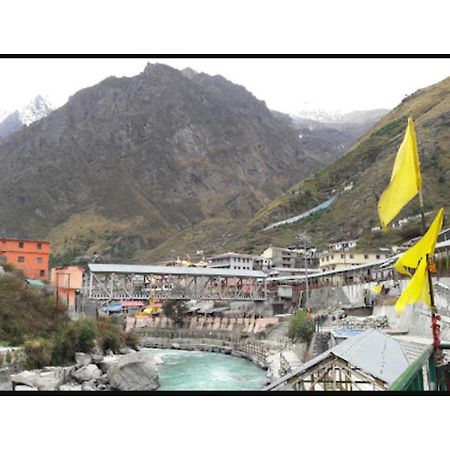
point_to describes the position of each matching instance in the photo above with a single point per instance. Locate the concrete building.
(343, 245)
(336, 260)
(238, 261)
(68, 281)
(288, 257)
(31, 257)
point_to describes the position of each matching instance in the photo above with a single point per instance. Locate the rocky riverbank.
(131, 371)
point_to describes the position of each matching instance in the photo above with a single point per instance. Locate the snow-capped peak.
(38, 108)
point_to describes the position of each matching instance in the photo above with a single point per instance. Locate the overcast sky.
(287, 85)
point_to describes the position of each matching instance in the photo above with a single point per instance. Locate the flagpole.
(435, 327)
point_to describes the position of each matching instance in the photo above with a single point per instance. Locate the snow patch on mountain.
(38, 108)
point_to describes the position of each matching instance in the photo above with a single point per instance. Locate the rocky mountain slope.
(10, 122)
(128, 163)
(358, 178)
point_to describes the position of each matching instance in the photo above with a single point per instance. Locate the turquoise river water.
(204, 371)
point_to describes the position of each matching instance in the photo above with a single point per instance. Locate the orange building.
(67, 281)
(31, 257)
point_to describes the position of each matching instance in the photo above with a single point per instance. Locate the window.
(21, 259)
(39, 246)
(20, 244)
(42, 273)
(38, 260)
(332, 256)
(351, 256)
(378, 256)
(342, 256)
(366, 256)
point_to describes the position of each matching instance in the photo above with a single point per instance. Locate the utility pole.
(304, 239)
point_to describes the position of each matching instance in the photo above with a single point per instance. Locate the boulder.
(126, 350)
(83, 358)
(44, 380)
(5, 380)
(97, 359)
(107, 362)
(87, 373)
(23, 387)
(134, 372)
(103, 379)
(70, 387)
(88, 386)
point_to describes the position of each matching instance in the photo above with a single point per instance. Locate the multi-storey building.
(31, 257)
(232, 261)
(335, 260)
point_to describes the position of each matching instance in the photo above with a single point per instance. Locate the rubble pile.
(369, 322)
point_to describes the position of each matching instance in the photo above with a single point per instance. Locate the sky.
(286, 85)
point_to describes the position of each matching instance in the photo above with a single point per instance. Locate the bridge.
(121, 282)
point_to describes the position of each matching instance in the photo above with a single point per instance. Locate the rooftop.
(174, 270)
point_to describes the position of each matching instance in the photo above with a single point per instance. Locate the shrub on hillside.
(132, 340)
(38, 353)
(301, 327)
(77, 336)
(26, 312)
(109, 334)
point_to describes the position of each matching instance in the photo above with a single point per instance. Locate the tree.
(301, 327)
(175, 309)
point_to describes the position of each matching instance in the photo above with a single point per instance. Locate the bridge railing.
(422, 374)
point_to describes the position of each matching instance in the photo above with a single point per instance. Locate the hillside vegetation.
(367, 166)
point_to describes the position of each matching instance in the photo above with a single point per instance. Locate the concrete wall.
(414, 320)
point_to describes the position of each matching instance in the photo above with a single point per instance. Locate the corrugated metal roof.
(373, 352)
(171, 270)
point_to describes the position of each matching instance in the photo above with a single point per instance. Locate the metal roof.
(172, 270)
(331, 272)
(373, 352)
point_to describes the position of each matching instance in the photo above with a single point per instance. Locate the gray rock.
(5, 380)
(87, 373)
(125, 350)
(134, 372)
(83, 358)
(68, 373)
(70, 387)
(88, 386)
(97, 358)
(108, 361)
(103, 379)
(23, 387)
(44, 380)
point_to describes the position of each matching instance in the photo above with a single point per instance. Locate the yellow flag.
(405, 181)
(411, 258)
(418, 289)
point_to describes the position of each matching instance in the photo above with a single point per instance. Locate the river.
(204, 371)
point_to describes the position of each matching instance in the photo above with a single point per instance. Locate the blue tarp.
(113, 308)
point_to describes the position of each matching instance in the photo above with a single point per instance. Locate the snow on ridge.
(38, 108)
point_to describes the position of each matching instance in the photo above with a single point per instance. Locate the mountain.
(358, 178)
(339, 117)
(333, 134)
(130, 162)
(11, 122)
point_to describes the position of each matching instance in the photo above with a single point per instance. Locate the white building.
(232, 260)
(335, 260)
